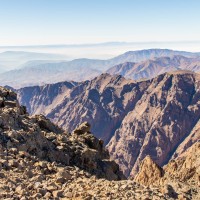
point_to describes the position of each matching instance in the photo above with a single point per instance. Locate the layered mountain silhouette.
(14, 59)
(157, 117)
(40, 72)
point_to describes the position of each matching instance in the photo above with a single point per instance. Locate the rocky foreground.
(38, 160)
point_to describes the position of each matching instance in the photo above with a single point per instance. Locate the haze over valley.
(133, 64)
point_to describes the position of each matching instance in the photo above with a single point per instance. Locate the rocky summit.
(36, 155)
(39, 160)
(37, 136)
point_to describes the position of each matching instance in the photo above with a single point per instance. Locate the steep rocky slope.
(161, 120)
(153, 67)
(186, 167)
(192, 138)
(40, 99)
(38, 160)
(159, 117)
(104, 103)
(40, 137)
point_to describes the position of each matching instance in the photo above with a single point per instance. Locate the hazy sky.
(24, 22)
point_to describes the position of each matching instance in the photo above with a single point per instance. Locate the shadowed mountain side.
(158, 116)
(41, 99)
(165, 116)
(56, 164)
(104, 100)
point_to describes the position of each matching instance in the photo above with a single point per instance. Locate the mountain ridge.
(135, 115)
(57, 164)
(79, 69)
(153, 67)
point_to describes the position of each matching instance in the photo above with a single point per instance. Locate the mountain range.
(157, 117)
(40, 160)
(153, 67)
(148, 105)
(145, 66)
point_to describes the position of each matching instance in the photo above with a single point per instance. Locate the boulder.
(83, 128)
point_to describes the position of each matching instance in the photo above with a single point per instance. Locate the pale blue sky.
(24, 22)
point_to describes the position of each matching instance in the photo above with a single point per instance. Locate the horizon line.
(95, 44)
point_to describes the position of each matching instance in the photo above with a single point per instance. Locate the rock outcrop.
(180, 178)
(186, 167)
(39, 137)
(149, 172)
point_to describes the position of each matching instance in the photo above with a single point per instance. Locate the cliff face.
(165, 116)
(192, 138)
